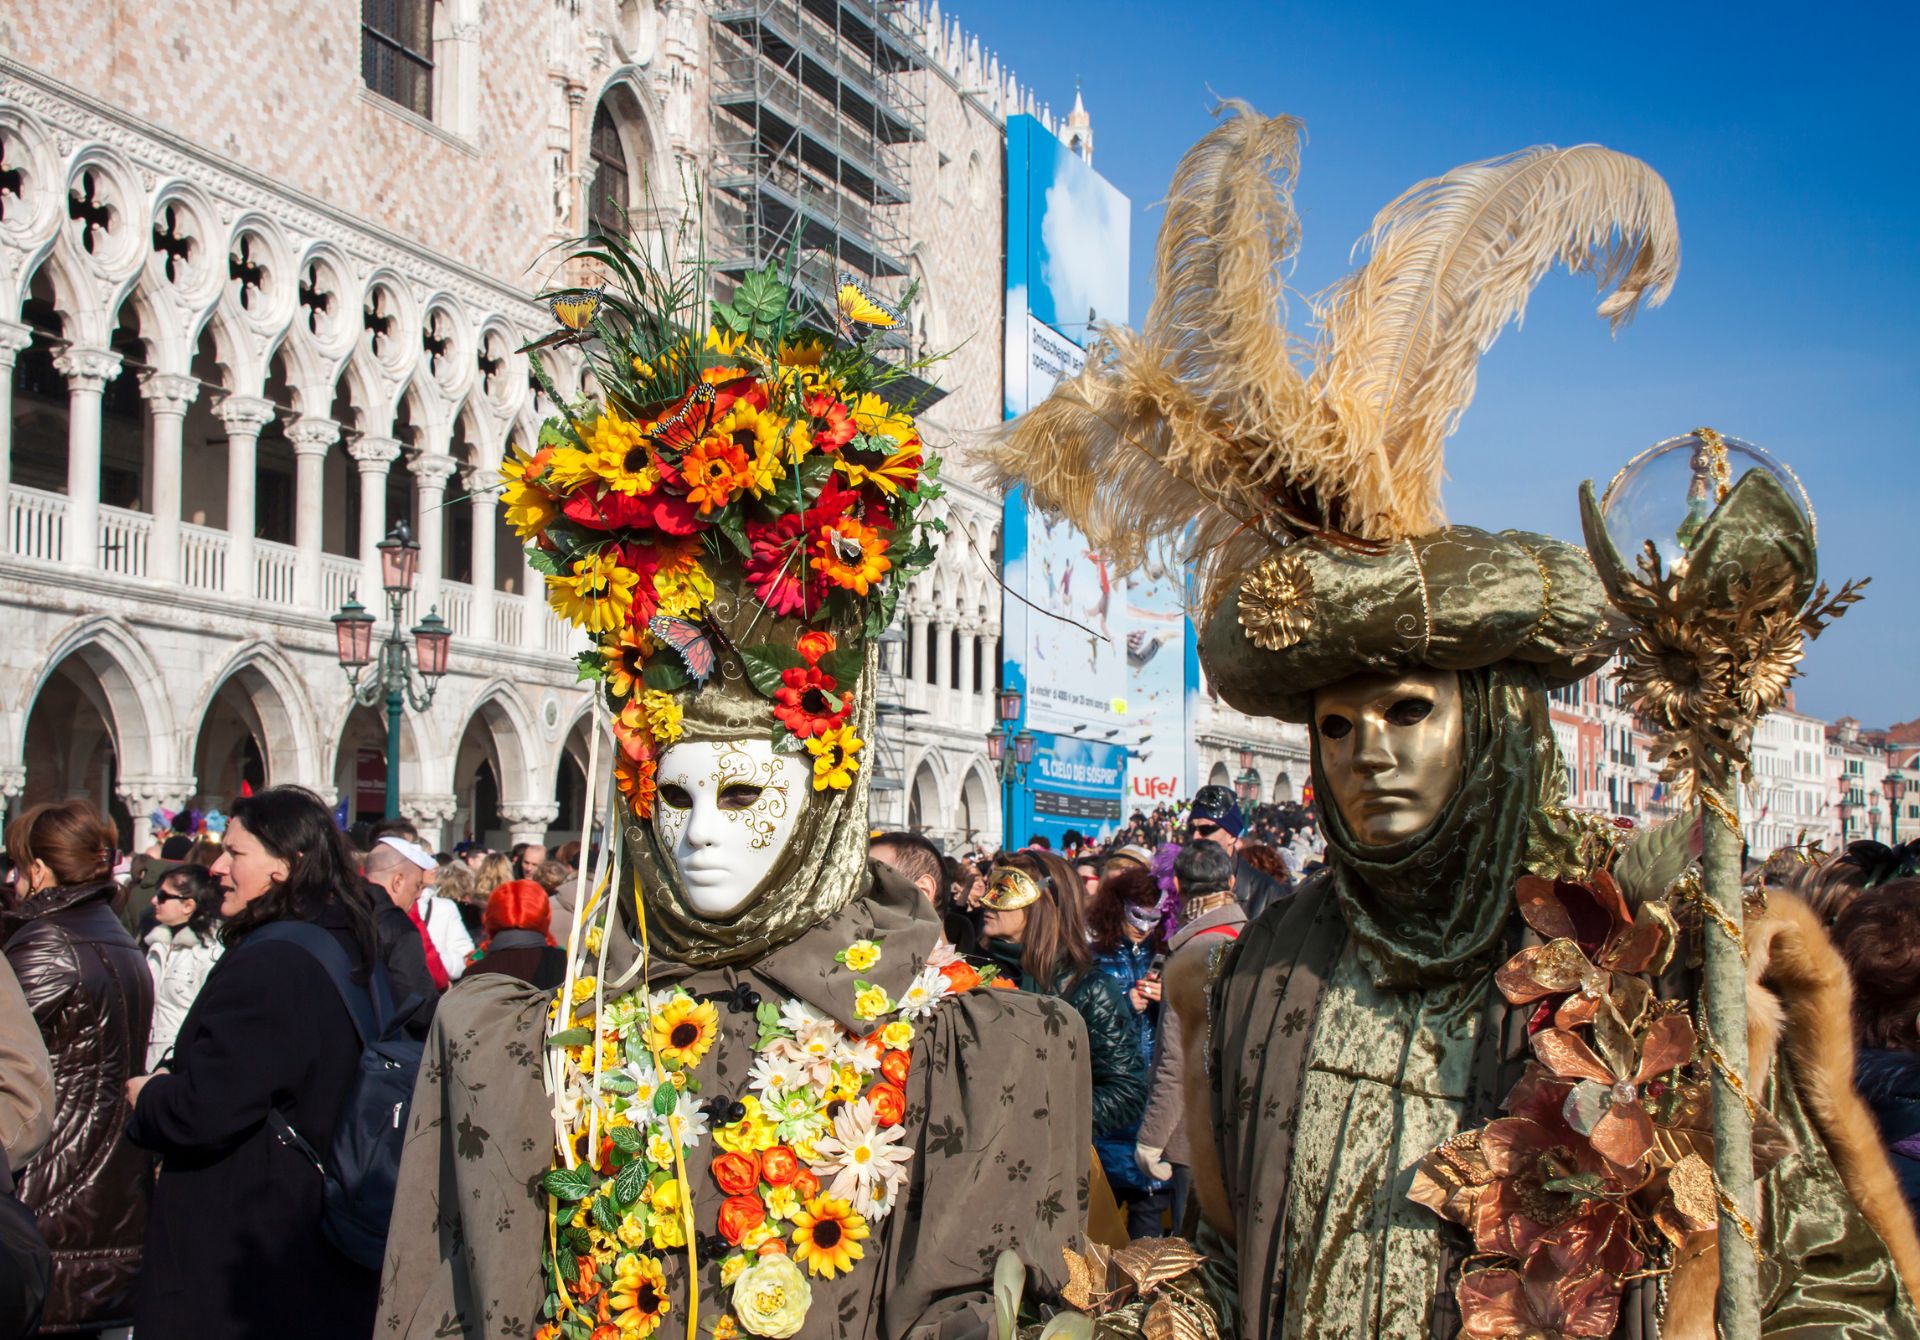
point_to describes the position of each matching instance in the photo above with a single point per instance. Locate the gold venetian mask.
(1390, 747)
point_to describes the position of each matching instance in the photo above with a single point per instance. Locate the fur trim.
(1799, 995)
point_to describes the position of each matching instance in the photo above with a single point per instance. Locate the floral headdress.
(731, 517)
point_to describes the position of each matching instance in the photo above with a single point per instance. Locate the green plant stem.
(1723, 994)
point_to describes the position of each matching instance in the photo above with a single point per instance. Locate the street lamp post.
(1011, 753)
(1247, 784)
(1894, 784)
(1846, 814)
(432, 641)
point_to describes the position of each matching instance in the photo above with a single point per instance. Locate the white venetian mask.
(725, 810)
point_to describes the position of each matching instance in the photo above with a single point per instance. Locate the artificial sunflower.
(900, 470)
(877, 418)
(807, 703)
(683, 1030)
(639, 1295)
(622, 455)
(624, 653)
(713, 470)
(596, 595)
(835, 758)
(530, 509)
(850, 554)
(827, 1235)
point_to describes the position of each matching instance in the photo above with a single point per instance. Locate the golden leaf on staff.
(1276, 603)
(1153, 1261)
(1167, 1320)
(1079, 1290)
(1691, 1185)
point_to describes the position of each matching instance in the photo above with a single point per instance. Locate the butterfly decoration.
(858, 307)
(691, 641)
(673, 430)
(846, 549)
(574, 309)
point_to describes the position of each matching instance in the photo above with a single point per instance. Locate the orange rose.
(551, 1331)
(805, 1184)
(960, 977)
(772, 1247)
(586, 1285)
(737, 1174)
(606, 1331)
(739, 1215)
(779, 1166)
(895, 1065)
(815, 643)
(889, 1104)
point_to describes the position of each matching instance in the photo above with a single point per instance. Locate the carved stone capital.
(87, 369)
(312, 437)
(375, 454)
(13, 781)
(481, 486)
(427, 809)
(528, 823)
(144, 794)
(433, 471)
(246, 415)
(14, 336)
(169, 392)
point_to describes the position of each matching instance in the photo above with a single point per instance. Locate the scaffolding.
(812, 104)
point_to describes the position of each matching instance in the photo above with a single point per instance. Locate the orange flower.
(587, 1286)
(960, 977)
(737, 1173)
(895, 1065)
(632, 730)
(772, 1247)
(635, 777)
(715, 470)
(851, 554)
(551, 1331)
(805, 1184)
(889, 1104)
(815, 643)
(606, 1331)
(739, 1215)
(779, 1166)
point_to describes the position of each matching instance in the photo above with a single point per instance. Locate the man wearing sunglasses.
(1215, 816)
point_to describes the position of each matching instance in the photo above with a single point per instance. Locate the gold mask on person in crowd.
(1390, 747)
(1010, 890)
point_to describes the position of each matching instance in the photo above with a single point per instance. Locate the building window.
(396, 51)
(607, 197)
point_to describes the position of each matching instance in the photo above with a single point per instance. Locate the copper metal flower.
(1540, 1302)
(1276, 602)
(1608, 1102)
(1594, 939)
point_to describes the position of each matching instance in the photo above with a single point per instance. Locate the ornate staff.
(1717, 608)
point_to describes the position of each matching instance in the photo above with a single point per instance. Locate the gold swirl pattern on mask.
(1276, 603)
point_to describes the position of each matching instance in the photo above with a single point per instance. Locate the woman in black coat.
(92, 996)
(234, 1244)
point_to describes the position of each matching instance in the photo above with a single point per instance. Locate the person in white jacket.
(181, 951)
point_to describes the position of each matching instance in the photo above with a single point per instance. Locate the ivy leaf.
(629, 1184)
(543, 561)
(592, 666)
(568, 1184)
(571, 1037)
(665, 676)
(733, 525)
(764, 664)
(761, 297)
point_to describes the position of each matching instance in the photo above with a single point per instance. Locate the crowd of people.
(160, 1058)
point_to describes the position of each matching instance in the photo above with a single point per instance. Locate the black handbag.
(26, 1267)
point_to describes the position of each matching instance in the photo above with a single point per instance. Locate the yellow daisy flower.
(827, 1236)
(835, 758)
(684, 1030)
(597, 595)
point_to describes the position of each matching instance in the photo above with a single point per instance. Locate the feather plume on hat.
(1202, 436)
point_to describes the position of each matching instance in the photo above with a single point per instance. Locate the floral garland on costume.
(1601, 1169)
(809, 1160)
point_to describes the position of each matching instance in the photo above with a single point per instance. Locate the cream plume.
(1202, 432)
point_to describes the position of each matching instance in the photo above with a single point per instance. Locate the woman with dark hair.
(90, 994)
(182, 948)
(1124, 923)
(234, 1245)
(1036, 931)
(518, 941)
(1879, 936)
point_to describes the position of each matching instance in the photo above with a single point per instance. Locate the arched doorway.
(923, 801)
(230, 752)
(360, 764)
(1283, 789)
(489, 752)
(72, 743)
(610, 191)
(1220, 776)
(976, 806)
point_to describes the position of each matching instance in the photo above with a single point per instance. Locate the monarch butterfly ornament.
(858, 307)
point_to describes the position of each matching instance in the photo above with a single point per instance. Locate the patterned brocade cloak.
(998, 1117)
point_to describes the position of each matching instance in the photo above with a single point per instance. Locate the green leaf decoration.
(767, 1014)
(761, 297)
(664, 675)
(764, 665)
(664, 1099)
(569, 1268)
(786, 742)
(628, 1185)
(627, 1138)
(844, 665)
(571, 1037)
(555, 433)
(604, 1214)
(592, 667)
(543, 562)
(733, 524)
(1653, 861)
(576, 1239)
(568, 1184)
(617, 1082)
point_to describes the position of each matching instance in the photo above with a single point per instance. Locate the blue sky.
(1788, 141)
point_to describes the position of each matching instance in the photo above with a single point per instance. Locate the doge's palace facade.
(263, 272)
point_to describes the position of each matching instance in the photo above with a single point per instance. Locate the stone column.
(939, 645)
(13, 783)
(143, 795)
(374, 456)
(967, 678)
(483, 507)
(15, 336)
(431, 471)
(87, 372)
(245, 416)
(168, 394)
(918, 631)
(312, 439)
(528, 823)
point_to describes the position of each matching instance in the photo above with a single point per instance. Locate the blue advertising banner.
(1063, 622)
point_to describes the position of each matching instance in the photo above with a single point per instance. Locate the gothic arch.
(978, 814)
(509, 725)
(355, 727)
(277, 702)
(927, 803)
(146, 740)
(654, 193)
